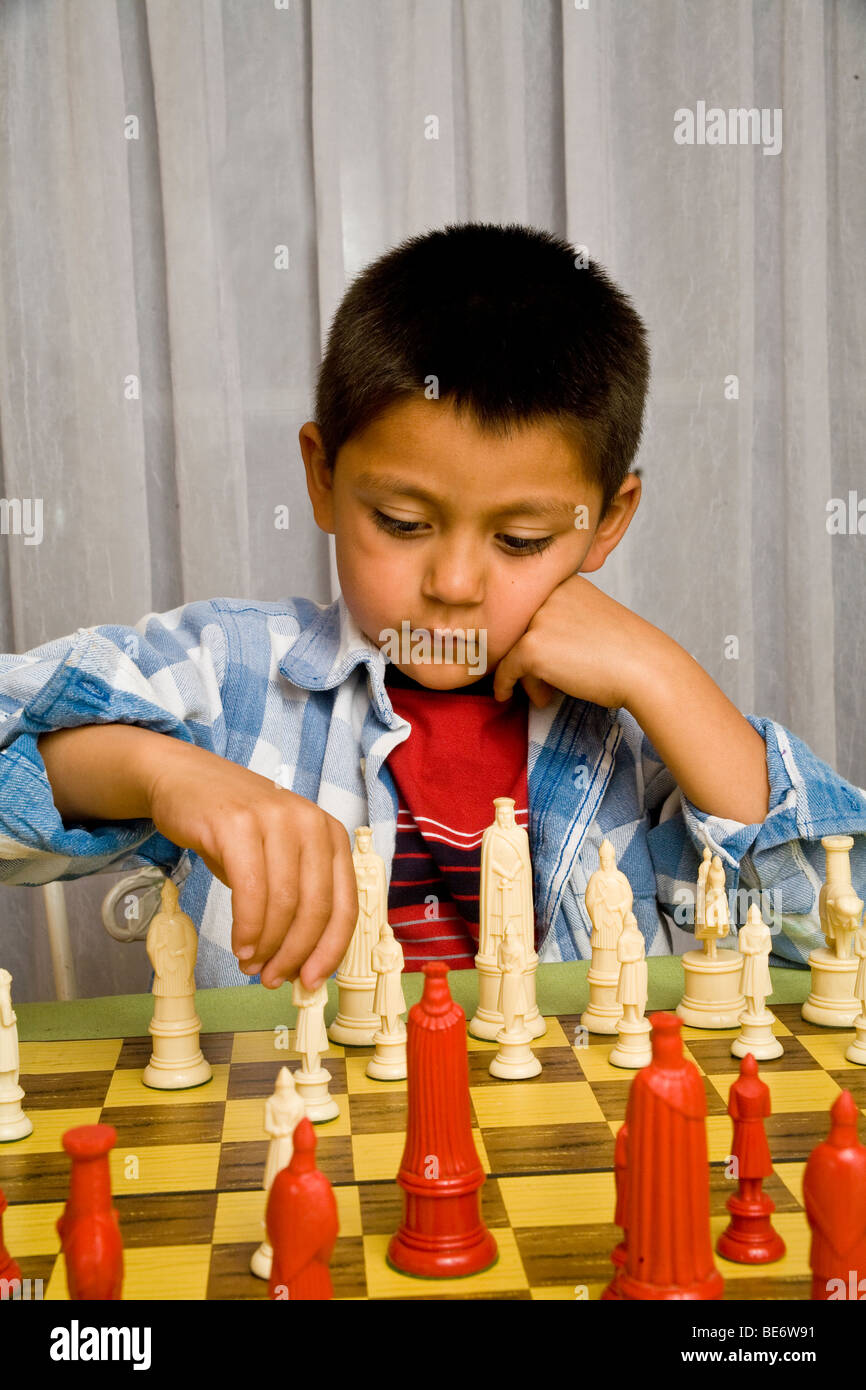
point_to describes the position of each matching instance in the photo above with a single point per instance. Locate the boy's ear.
(320, 478)
(613, 527)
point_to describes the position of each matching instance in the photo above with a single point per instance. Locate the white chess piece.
(356, 1021)
(505, 895)
(388, 1062)
(633, 1046)
(713, 996)
(856, 1051)
(608, 899)
(756, 1022)
(284, 1110)
(832, 999)
(515, 1059)
(313, 1080)
(14, 1124)
(177, 1062)
(701, 895)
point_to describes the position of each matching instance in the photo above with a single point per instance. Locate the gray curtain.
(187, 187)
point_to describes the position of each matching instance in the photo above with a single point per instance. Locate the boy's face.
(440, 526)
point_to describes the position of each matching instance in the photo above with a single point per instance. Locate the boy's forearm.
(104, 771)
(717, 758)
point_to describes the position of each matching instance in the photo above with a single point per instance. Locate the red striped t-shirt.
(465, 748)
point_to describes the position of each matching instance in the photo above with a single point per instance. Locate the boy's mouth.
(424, 646)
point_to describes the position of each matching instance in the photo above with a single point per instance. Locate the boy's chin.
(441, 675)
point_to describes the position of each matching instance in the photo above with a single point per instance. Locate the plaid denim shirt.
(294, 691)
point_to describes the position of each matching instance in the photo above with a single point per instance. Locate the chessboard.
(188, 1165)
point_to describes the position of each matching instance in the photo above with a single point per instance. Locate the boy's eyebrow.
(389, 482)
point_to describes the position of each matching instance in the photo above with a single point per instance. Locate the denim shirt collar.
(329, 648)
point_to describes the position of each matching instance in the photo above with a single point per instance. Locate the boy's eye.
(525, 545)
(514, 545)
(394, 524)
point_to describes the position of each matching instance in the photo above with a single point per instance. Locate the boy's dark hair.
(512, 328)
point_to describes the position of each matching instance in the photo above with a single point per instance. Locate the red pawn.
(834, 1191)
(669, 1251)
(442, 1234)
(9, 1271)
(89, 1232)
(620, 1166)
(749, 1237)
(302, 1224)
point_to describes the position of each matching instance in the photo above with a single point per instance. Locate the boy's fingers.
(282, 850)
(243, 862)
(295, 939)
(334, 941)
(508, 672)
(538, 690)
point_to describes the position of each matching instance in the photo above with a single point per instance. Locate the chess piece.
(620, 1172)
(756, 1022)
(10, 1274)
(442, 1234)
(177, 1062)
(832, 1000)
(608, 898)
(701, 895)
(505, 895)
(515, 1059)
(357, 1022)
(712, 997)
(388, 1062)
(633, 1047)
(14, 1124)
(856, 1051)
(669, 1252)
(284, 1111)
(88, 1228)
(313, 1080)
(834, 1194)
(749, 1237)
(302, 1225)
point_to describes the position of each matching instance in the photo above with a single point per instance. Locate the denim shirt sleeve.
(781, 857)
(165, 673)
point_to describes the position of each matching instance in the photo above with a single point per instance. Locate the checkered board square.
(188, 1165)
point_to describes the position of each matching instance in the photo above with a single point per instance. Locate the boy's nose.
(455, 576)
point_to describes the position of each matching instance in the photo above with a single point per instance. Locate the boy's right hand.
(287, 862)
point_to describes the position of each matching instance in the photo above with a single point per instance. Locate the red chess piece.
(302, 1224)
(89, 1232)
(669, 1253)
(834, 1192)
(9, 1270)
(749, 1237)
(442, 1234)
(620, 1167)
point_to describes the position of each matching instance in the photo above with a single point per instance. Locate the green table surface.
(560, 989)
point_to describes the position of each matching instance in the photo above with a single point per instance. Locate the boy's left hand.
(583, 643)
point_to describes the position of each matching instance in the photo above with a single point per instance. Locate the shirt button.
(363, 767)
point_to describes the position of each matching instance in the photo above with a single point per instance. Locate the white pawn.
(515, 1060)
(284, 1110)
(856, 1051)
(14, 1124)
(633, 1047)
(388, 1062)
(311, 1040)
(756, 1022)
(177, 1061)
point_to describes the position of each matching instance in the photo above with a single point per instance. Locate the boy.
(479, 409)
